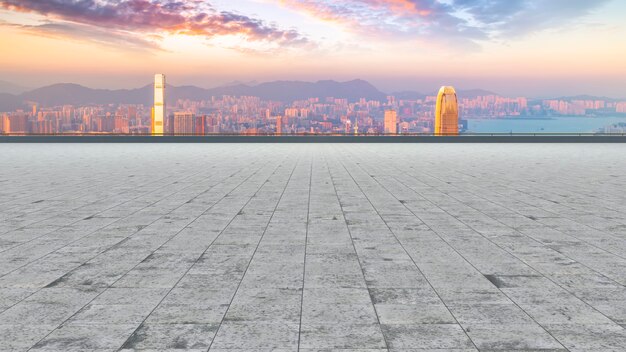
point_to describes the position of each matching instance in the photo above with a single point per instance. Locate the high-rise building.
(121, 125)
(200, 124)
(159, 110)
(184, 123)
(447, 112)
(391, 122)
(5, 126)
(279, 125)
(107, 123)
(168, 124)
(18, 123)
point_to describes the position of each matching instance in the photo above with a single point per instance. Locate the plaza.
(313, 247)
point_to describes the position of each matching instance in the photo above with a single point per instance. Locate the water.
(562, 124)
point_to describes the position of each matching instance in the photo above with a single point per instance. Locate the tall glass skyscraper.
(159, 110)
(447, 112)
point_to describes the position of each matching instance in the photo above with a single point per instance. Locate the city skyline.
(329, 111)
(531, 48)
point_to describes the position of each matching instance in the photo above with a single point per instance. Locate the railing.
(489, 134)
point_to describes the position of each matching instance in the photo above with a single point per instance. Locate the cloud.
(401, 20)
(135, 17)
(516, 18)
(459, 24)
(66, 30)
(455, 23)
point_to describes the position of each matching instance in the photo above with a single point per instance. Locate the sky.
(535, 48)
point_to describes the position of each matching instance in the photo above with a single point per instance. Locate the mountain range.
(285, 91)
(467, 93)
(10, 88)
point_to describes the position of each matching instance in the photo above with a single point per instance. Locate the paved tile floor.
(361, 248)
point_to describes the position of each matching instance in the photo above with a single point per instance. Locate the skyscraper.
(159, 110)
(4, 124)
(199, 125)
(18, 123)
(279, 125)
(447, 112)
(391, 122)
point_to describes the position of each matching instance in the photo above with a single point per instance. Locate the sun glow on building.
(447, 112)
(159, 110)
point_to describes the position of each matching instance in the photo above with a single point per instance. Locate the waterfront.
(559, 124)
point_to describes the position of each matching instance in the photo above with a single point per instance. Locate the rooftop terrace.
(304, 247)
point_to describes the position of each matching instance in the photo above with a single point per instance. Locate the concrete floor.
(313, 247)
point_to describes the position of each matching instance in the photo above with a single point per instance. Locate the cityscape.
(404, 113)
(312, 175)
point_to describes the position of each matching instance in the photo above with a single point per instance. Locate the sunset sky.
(536, 48)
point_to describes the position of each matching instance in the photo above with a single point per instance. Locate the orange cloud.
(149, 17)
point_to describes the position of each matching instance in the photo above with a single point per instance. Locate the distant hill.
(461, 93)
(409, 95)
(473, 93)
(74, 94)
(587, 97)
(286, 91)
(10, 88)
(295, 90)
(9, 102)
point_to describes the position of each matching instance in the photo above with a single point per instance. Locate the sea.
(560, 124)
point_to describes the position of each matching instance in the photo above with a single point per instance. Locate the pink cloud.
(192, 17)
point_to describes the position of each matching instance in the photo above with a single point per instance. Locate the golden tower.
(447, 113)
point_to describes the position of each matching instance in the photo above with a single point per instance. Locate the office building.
(391, 122)
(200, 123)
(279, 125)
(447, 112)
(5, 125)
(159, 110)
(17, 123)
(184, 123)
